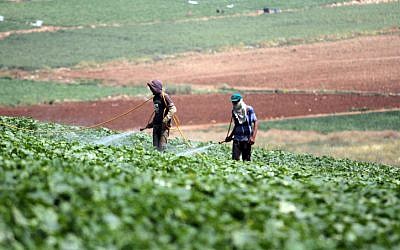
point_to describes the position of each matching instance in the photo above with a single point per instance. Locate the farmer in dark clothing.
(164, 109)
(245, 129)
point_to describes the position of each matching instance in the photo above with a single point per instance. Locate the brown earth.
(202, 109)
(359, 64)
(368, 64)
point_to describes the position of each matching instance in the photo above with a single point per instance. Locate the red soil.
(202, 109)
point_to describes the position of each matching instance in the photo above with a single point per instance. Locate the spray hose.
(176, 120)
(90, 127)
(16, 128)
(227, 133)
(119, 116)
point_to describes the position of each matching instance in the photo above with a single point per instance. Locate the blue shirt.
(243, 132)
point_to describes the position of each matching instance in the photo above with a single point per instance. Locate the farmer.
(244, 130)
(164, 109)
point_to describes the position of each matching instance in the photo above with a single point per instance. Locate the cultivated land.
(325, 75)
(361, 64)
(64, 187)
(359, 74)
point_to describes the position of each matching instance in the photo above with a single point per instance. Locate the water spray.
(112, 139)
(195, 150)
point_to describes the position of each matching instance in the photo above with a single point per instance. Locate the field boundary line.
(315, 92)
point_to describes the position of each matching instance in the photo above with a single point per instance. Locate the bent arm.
(171, 111)
(171, 108)
(150, 125)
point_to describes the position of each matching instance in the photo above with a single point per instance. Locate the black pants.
(241, 148)
(160, 137)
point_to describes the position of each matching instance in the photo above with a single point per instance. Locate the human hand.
(252, 140)
(228, 138)
(165, 126)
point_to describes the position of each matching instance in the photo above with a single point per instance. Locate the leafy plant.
(59, 189)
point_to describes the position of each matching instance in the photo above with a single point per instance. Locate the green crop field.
(377, 121)
(61, 189)
(122, 12)
(71, 47)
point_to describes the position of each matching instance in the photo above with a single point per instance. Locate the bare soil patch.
(361, 2)
(202, 109)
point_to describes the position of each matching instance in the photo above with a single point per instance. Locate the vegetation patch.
(24, 92)
(123, 12)
(62, 190)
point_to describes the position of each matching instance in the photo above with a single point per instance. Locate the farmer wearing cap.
(245, 128)
(164, 109)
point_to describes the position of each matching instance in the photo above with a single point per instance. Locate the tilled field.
(202, 109)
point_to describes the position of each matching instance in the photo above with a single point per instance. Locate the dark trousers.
(241, 148)
(160, 137)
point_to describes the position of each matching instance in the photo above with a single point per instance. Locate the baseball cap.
(236, 97)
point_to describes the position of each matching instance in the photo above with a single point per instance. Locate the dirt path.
(360, 64)
(6, 34)
(360, 2)
(202, 109)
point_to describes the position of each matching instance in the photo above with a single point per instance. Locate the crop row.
(39, 50)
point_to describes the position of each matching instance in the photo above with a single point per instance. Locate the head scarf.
(155, 86)
(239, 111)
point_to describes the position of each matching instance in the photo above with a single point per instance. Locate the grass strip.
(375, 121)
(23, 92)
